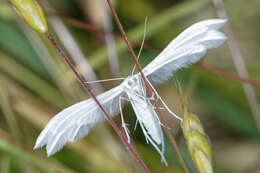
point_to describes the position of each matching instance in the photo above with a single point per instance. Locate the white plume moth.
(75, 121)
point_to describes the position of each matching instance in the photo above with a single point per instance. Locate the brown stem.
(150, 92)
(94, 29)
(129, 146)
(227, 74)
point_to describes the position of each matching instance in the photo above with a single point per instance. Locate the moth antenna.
(142, 45)
(144, 131)
(105, 80)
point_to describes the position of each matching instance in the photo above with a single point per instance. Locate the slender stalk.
(150, 92)
(227, 74)
(88, 90)
(94, 29)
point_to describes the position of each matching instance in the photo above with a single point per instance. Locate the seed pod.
(31, 11)
(197, 143)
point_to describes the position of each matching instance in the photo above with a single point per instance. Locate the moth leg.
(136, 122)
(164, 104)
(124, 125)
(157, 98)
(168, 109)
(162, 108)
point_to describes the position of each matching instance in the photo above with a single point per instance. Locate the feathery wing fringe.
(75, 121)
(186, 49)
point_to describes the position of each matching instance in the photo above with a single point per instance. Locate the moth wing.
(191, 45)
(75, 121)
(146, 115)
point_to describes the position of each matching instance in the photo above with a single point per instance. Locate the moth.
(76, 121)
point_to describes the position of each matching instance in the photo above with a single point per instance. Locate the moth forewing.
(149, 122)
(146, 114)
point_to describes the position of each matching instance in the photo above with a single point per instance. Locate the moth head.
(131, 82)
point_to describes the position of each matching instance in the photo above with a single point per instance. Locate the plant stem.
(150, 92)
(94, 29)
(88, 90)
(228, 74)
(225, 73)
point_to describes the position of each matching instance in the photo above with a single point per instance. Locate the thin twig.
(228, 74)
(88, 90)
(150, 92)
(92, 28)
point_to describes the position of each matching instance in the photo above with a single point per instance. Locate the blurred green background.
(35, 84)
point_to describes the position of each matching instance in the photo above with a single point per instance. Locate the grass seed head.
(202, 161)
(197, 143)
(31, 11)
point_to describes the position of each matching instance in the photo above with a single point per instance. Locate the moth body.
(143, 108)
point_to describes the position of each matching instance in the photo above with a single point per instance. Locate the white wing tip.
(39, 143)
(221, 21)
(53, 148)
(217, 20)
(42, 139)
(51, 152)
(211, 23)
(37, 146)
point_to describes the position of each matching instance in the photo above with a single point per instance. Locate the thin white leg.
(124, 125)
(164, 104)
(136, 122)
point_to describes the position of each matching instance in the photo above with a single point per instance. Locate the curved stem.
(150, 92)
(227, 74)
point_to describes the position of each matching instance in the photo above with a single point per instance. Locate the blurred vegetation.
(35, 84)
